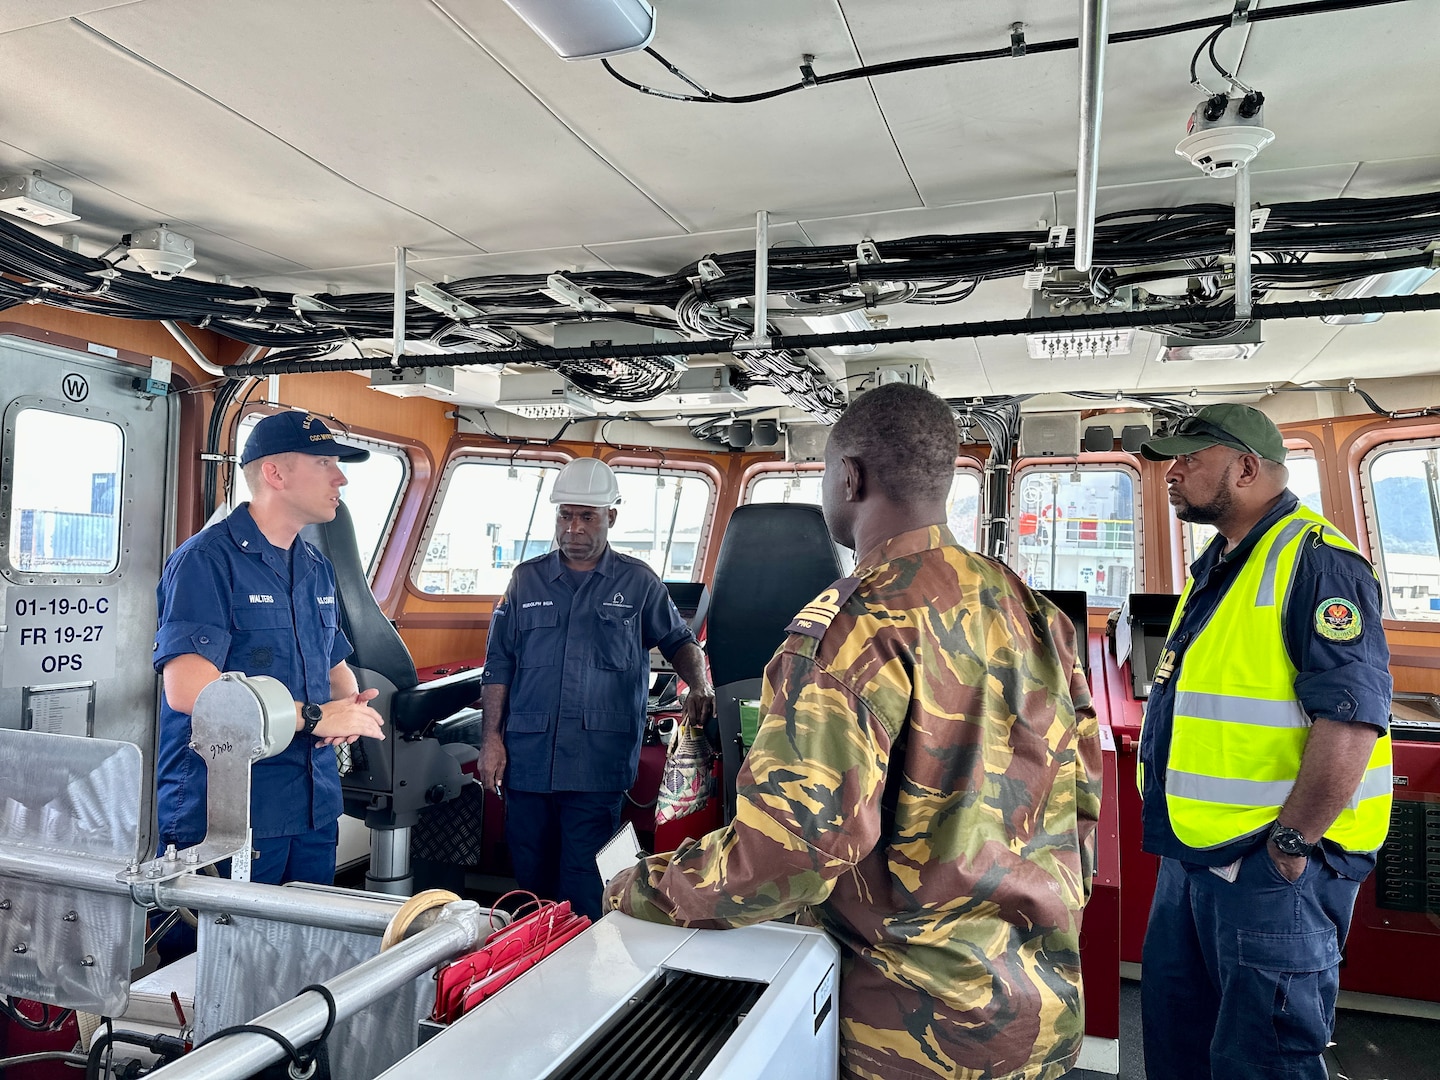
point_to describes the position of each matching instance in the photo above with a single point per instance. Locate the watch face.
(1290, 841)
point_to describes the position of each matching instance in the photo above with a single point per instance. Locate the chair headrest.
(377, 643)
(774, 559)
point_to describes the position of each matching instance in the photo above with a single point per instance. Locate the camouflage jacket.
(926, 776)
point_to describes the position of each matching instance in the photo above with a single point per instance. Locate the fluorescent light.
(1241, 345)
(590, 29)
(1070, 344)
(844, 322)
(1394, 283)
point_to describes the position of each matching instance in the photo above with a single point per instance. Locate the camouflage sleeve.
(807, 810)
(1088, 774)
(1087, 768)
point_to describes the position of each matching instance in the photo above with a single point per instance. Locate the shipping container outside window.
(65, 496)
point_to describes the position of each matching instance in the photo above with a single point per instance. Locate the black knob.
(436, 795)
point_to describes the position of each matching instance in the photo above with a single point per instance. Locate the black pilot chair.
(774, 559)
(389, 783)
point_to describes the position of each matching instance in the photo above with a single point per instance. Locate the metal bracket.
(238, 720)
(559, 287)
(709, 269)
(1017, 39)
(1241, 15)
(807, 70)
(437, 299)
(760, 333)
(398, 349)
(867, 253)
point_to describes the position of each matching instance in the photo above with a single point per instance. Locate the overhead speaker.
(1133, 436)
(739, 434)
(1050, 435)
(1099, 438)
(765, 433)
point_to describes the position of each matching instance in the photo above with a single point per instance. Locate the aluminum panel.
(247, 966)
(80, 385)
(78, 797)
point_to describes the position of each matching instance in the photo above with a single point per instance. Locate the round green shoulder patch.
(1337, 619)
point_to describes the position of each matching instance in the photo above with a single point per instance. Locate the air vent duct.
(672, 1031)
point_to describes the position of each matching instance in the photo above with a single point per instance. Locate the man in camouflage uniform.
(925, 776)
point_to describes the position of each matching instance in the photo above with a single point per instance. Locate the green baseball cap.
(1227, 424)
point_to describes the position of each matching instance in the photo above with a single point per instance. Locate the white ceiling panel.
(1401, 343)
(998, 215)
(996, 127)
(129, 128)
(1345, 100)
(395, 98)
(18, 14)
(713, 165)
(665, 255)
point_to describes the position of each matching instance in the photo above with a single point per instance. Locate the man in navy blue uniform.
(1265, 765)
(566, 676)
(247, 594)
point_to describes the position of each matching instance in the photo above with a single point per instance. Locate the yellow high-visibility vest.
(1238, 730)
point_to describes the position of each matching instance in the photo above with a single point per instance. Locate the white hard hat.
(586, 482)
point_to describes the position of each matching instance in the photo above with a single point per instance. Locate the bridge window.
(1304, 482)
(1402, 495)
(800, 484)
(662, 520)
(64, 498)
(372, 491)
(491, 513)
(1077, 528)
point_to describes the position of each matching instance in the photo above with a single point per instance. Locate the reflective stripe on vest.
(1239, 731)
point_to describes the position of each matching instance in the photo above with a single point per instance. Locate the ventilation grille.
(671, 1031)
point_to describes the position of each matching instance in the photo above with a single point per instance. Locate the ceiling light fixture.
(842, 322)
(589, 30)
(1394, 283)
(1241, 345)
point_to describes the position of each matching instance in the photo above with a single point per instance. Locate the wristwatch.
(1289, 841)
(311, 715)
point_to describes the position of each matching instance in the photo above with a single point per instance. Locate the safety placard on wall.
(57, 634)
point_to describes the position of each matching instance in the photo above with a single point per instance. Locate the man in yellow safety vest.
(1265, 765)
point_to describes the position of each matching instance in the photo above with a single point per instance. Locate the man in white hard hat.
(566, 676)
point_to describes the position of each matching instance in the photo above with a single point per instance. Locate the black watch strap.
(311, 715)
(1289, 841)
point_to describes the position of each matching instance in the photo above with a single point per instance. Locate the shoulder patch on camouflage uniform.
(815, 617)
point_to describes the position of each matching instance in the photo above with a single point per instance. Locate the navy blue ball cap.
(297, 433)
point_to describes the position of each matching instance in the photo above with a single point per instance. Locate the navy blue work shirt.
(1348, 681)
(575, 660)
(226, 594)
